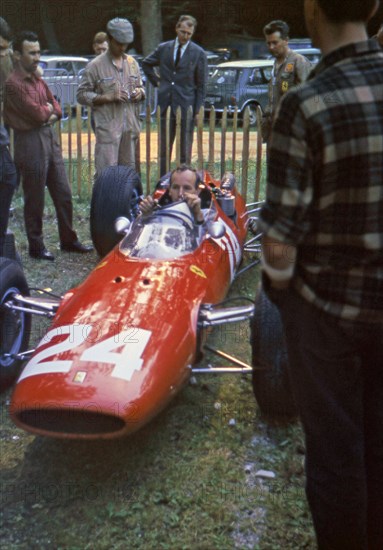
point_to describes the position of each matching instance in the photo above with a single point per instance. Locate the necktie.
(178, 55)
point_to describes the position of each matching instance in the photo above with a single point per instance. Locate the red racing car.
(127, 339)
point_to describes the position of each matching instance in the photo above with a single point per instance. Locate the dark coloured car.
(221, 55)
(239, 84)
(215, 56)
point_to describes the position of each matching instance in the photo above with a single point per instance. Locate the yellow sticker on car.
(197, 271)
(79, 377)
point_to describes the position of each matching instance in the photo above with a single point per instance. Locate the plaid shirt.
(325, 183)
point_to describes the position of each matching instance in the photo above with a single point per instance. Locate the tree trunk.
(50, 16)
(151, 24)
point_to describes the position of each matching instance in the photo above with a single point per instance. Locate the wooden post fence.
(219, 145)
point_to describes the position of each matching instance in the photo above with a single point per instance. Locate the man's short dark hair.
(188, 19)
(28, 36)
(185, 168)
(277, 26)
(5, 30)
(353, 10)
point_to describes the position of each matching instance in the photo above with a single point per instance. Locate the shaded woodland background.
(68, 26)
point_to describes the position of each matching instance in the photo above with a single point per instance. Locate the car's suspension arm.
(210, 316)
(46, 307)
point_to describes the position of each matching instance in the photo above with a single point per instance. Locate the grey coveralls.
(117, 125)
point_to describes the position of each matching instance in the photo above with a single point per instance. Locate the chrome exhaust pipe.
(209, 316)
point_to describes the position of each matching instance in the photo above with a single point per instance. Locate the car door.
(254, 87)
(221, 88)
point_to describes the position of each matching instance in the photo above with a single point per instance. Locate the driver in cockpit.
(184, 184)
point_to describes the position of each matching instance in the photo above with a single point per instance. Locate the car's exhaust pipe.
(210, 316)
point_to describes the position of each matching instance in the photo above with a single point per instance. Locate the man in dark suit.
(181, 82)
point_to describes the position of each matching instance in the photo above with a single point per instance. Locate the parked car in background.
(239, 84)
(72, 65)
(312, 54)
(245, 46)
(221, 55)
(62, 74)
(215, 56)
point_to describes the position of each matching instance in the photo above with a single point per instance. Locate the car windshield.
(79, 66)
(166, 234)
(224, 76)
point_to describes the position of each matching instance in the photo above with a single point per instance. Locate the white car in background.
(62, 74)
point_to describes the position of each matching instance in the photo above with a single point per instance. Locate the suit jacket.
(179, 86)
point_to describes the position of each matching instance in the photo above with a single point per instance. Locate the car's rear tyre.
(15, 326)
(114, 194)
(271, 383)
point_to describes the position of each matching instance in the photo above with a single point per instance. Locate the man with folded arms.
(31, 110)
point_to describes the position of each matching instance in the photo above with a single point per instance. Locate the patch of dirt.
(251, 522)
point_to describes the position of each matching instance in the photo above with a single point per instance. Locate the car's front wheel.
(15, 326)
(115, 193)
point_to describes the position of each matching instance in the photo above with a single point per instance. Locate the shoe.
(42, 255)
(76, 247)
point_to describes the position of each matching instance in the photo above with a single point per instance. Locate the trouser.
(336, 372)
(187, 129)
(8, 183)
(6, 194)
(119, 152)
(39, 160)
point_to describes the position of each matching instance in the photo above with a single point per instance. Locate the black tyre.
(115, 194)
(271, 383)
(15, 326)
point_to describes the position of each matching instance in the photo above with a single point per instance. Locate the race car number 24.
(123, 350)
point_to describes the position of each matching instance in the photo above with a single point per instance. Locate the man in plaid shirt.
(323, 267)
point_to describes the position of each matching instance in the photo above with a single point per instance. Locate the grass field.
(188, 480)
